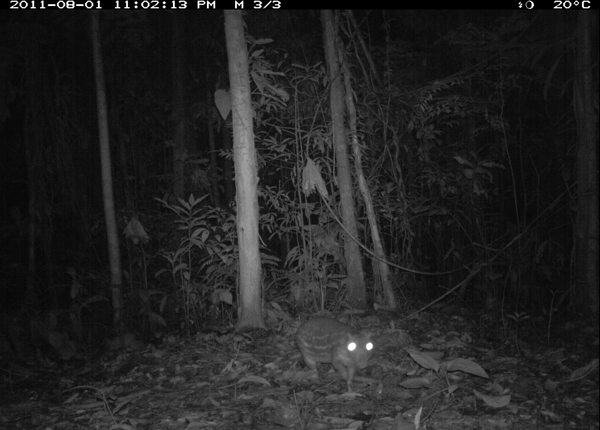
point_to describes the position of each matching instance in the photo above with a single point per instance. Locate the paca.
(324, 340)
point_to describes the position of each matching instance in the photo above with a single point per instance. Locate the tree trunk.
(31, 224)
(381, 270)
(33, 133)
(246, 176)
(107, 185)
(214, 166)
(585, 295)
(355, 281)
(178, 78)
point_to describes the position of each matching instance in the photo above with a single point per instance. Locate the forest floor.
(439, 370)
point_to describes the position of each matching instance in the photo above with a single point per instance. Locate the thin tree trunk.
(585, 295)
(380, 267)
(178, 71)
(33, 133)
(355, 280)
(107, 185)
(246, 176)
(31, 230)
(214, 166)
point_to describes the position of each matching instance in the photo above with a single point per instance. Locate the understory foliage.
(436, 154)
(458, 179)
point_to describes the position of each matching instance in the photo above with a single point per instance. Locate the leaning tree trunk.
(381, 270)
(107, 185)
(356, 284)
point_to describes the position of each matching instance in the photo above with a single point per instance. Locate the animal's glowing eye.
(369, 346)
(351, 346)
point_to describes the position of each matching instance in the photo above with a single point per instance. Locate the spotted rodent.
(324, 340)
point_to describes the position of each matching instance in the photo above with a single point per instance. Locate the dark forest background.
(466, 122)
